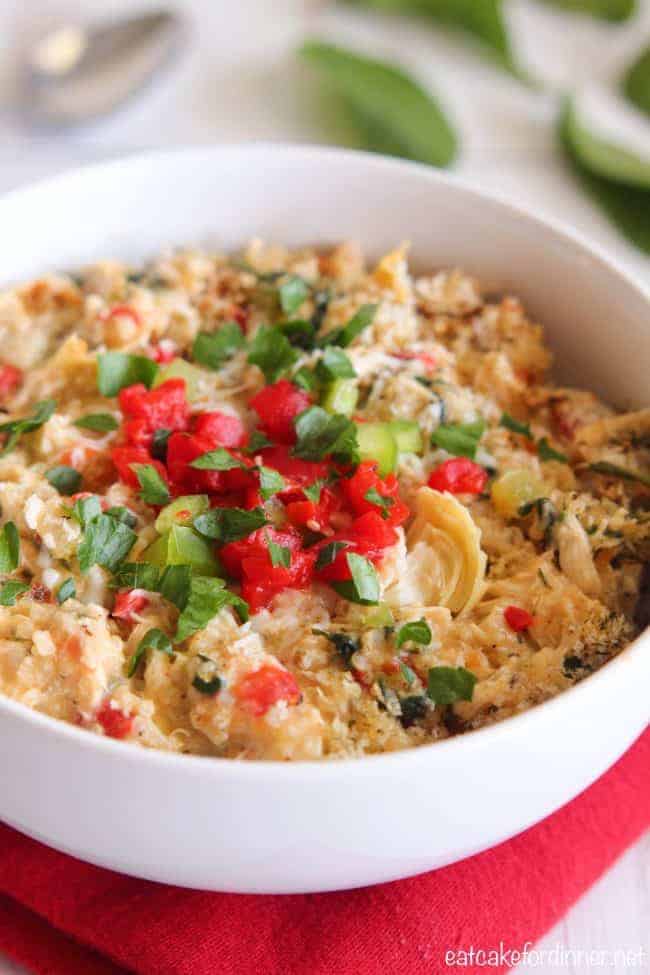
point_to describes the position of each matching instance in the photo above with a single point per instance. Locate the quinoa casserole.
(283, 505)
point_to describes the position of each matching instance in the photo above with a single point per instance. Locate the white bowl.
(265, 827)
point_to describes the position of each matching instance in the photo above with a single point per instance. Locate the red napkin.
(59, 916)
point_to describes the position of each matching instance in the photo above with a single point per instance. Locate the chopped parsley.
(212, 349)
(328, 553)
(137, 575)
(449, 684)
(229, 524)
(271, 482)
(106, 541)
(9, 547)
(99, 422)
(415, 632)
(292, 292)
(272, 351)
(280, 555)
(459, 439)
(363, 587)
(258, 441)
(313, 491)
(546, 452)
(174, 585)
(306, 379)
(354, 327)
(346, 645)
(115, 370)
(65, 479)
(10, 590)
(206, 598)
(14, 429)
(154, 639)
(516, 426)
(335, 364)
(159, 443)
(153, 489)
(67, 590)
(321, 434)
(300, 333)
(217, 460)
(374, 497)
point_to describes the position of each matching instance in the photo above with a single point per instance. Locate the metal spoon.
(75, 73)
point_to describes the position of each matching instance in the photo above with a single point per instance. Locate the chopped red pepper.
(299, 473)
(259, 690)
(368, 535)
(116, 723)
(249, 559)
(128, 602)
(459, 475)
(164, 352)
(10, 380)
(313, 515)
(366, 479)
(220, 429)
(518, 619)
(277, 407)
(124, 457)
(164, 407)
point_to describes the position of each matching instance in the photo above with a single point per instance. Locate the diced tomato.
(128, 602)
(125, 311)
(255, 546)
(116, 723)
(277, 407)
(124, 457)
(365, 479)
(427, 360)
(182, 449)
(518, 619)
(259, 690)
(164, 352)
(138, 432)
(164, 407)
(368, 535)
(314, 515)
(220, 429)
(10, 380)
(299, 473)
(459, 475)
(249, 559)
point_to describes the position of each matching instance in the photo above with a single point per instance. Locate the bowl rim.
(382, 761)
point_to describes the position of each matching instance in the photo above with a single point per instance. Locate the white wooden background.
(238, 81)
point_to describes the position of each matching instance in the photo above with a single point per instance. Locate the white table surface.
(238, 81)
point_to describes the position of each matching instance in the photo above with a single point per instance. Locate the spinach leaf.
(115, 370)
(395, 113)
(615, 178)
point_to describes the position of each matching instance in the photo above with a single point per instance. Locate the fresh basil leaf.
(65, 479)
(459, 439)
(85, 509)
(271, 482)
(207, 597)
(229, 524)
(137, 575)
(115, 370)
(321, 434)
(354, 327)
(388, 103)
(154, 639)
(217, 460)
(613, 470)
(313, 491)
(9, 547)
(619, 184)
(153, 489)
(636, 83)
(206, 679)
(272, 352)
(328, 553)
(416, 632)
(213, 349)
(258, 441)
(546, 452)
(345, 644)
(159, 443)
(306, 379)
(364, 586)
(616, 10)
(334, 364)
(516, 426)
(292, 292)
(14, 429)
(99, 422)
(280, 555)
(105, 542)
(10, 591)
(482, 20)
(449, 684)
(67, 590)
(374, 497)
(174, 585)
